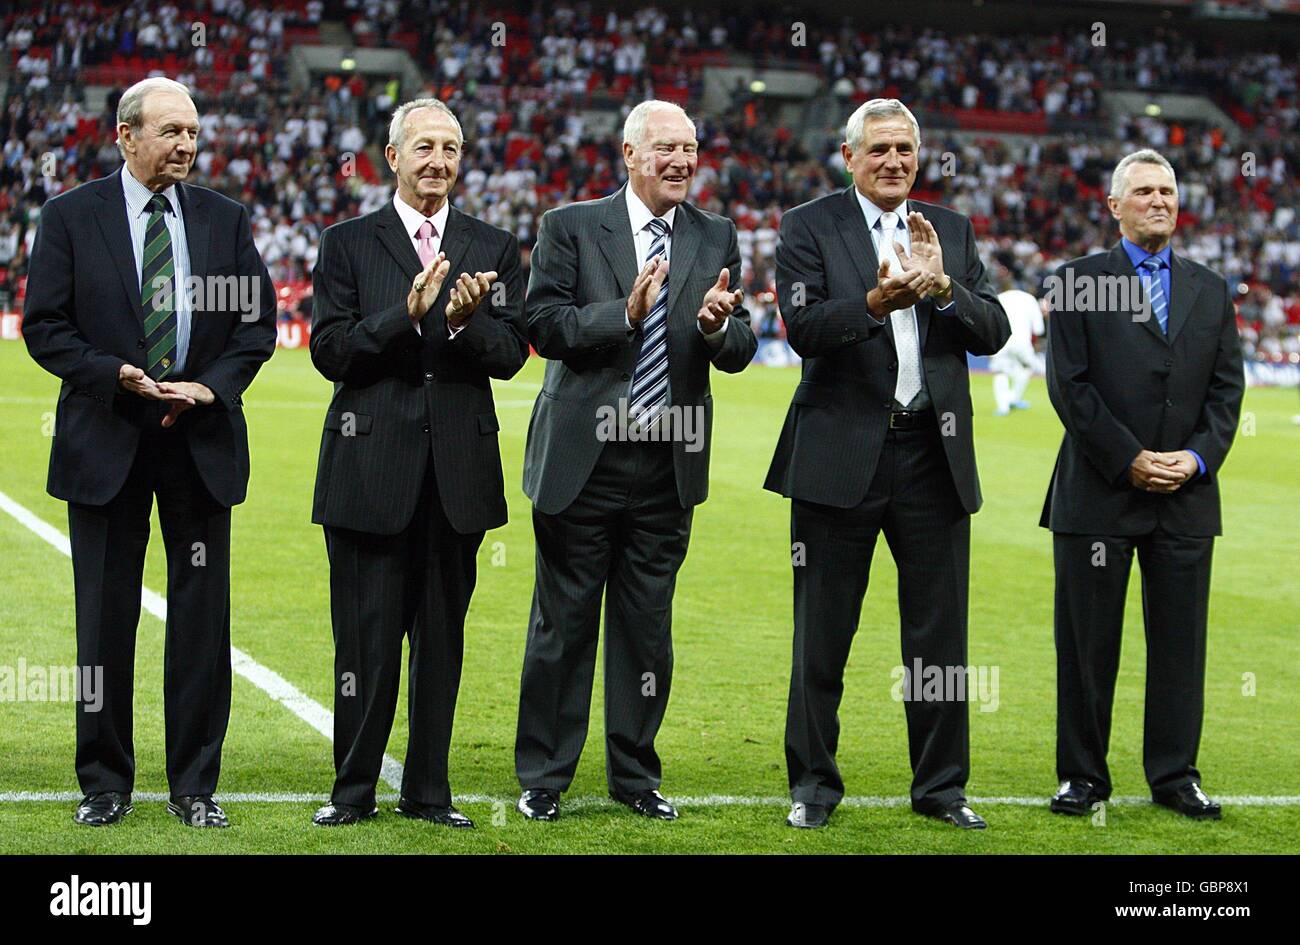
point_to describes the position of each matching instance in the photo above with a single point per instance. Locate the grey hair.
(130, 107)
(397, 127)
(1119, 179)
(634, 125)
(855, 130)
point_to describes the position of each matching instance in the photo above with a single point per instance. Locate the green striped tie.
(157, 282)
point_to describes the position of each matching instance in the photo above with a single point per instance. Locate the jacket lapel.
(861, 248)
(1118, 264)
(455, 242)
(686, 244)
(198, 228)
(397, 241)
(114, 227)
(1183, 286)
(617, 246)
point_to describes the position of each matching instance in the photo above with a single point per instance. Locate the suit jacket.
(583, 267)
(83, 319)
(825, 266)
(1120, 385)
(402, 396)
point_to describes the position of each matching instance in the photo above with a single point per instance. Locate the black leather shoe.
(341, 815)
(102, 809)
(808, 816)
(447, 816)
(957, 814)
(197, 810)
(1190, 801)
(1075, 797)
(647, 804)
(539, 804)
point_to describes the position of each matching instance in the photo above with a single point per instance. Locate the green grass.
(723, 732)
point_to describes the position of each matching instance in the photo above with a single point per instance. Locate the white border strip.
(267, 680)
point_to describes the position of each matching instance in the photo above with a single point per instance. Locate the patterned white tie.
(903, 320)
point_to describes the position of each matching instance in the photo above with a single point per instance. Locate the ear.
(124, 136)
(390, 155)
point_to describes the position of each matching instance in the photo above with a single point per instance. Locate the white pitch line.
(709, 800)
(265, 679)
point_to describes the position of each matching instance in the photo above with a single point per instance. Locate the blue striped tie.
(1156, 292)
(650, 381)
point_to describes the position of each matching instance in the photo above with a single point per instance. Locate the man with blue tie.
(130, 303)
(630, 299)
(1148, 385)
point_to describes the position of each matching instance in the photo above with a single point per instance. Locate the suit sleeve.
(1222, 407)
(49, 320)
(251, 341)
(558, 326)
(815, 325)
(496, 336)
(738, 341)
(347, 344)
(978, 314)
(1108, 443)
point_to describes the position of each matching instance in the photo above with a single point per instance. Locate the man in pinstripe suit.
(409, 476)
(882, 297)
(631, 299)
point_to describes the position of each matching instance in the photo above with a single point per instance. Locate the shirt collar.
(640, 214)
(413, 219)
(874, 213)
(138, 195)
(1137, 255)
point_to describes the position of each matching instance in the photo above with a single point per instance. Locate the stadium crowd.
(302, 160)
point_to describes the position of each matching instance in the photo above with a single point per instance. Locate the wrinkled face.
(161, 151)
(1148, 210)
(428, 162)
(884, 168)
(661, 168)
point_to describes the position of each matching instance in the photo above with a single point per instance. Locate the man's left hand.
(927, 254)
(465, 296)
(718, 303)
(1181, 462)
(198, 394)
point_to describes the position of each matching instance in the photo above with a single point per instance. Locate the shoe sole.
(1071, 811)
(1215, 815)
(180, 815)
(441, 823)
(104, 823)
(344, 823)
(529, 815)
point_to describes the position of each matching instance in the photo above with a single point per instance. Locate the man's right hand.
(133, 380)
(426, 287)
(1149, 476)
(646, 289)
(904, 290)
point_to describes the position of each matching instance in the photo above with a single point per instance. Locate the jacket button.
(428, 376)
(1169, 403)
(1169, 363)
(886, 405)
(140, 343)
(627, 377)
(893, 365)
(425, 428)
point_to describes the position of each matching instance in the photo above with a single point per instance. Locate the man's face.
(660, 170)
(1148, 210)
(161, 151)
(884, 168)
(428, 162)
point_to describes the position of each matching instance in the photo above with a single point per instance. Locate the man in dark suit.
(409, 476)
(147, 297)
(879, 438)
(1148, 384)
(630, 298)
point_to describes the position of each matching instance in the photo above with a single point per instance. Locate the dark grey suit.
(1121, 385)
(611, 517)
(852, 477)
(408, 480)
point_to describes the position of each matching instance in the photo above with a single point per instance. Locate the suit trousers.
(108, 551)
(625, 536)
(417, 584)
(1091, 585)
(911, 499)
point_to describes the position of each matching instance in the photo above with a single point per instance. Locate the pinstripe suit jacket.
(401, 397)
(839, 414)
(583, 267)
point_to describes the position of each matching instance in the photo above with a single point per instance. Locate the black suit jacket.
(83, 319)
(401, 397)
(825, 266)
(1120, 386)
(583, 268)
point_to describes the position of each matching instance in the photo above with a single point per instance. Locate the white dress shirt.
(137, 216)
(412, 220)
(642, 238)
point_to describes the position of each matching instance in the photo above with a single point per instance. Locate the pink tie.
(424, 242)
